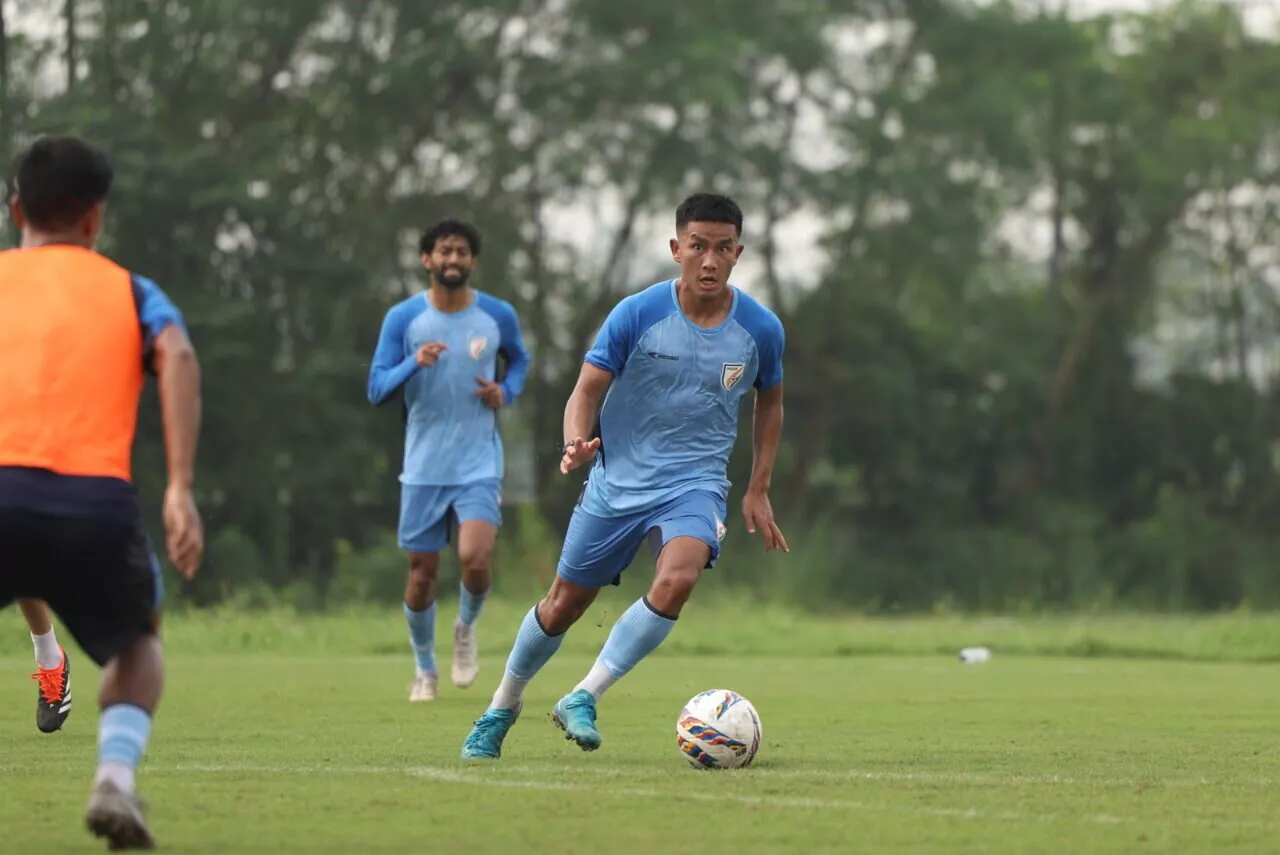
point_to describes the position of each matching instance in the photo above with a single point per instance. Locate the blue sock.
(533, 649)
(470, 605)
(636, 634)
(422, 635)
(123, 731)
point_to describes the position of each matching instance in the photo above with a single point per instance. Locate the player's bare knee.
(563, 606)
(672, 588)
(420, 588)
(476, 562)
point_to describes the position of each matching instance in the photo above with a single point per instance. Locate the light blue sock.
(533, 649)
(123, 732)
(636, 634)
(470, 605)
(422, 635)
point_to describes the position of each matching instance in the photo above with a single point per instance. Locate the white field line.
(544, 783)
(816, 775)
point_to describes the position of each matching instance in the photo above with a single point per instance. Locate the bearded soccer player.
(442, 349)
(676, 361)
(77, 333)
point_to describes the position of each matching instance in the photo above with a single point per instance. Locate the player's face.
(707, 253)
(450, 261)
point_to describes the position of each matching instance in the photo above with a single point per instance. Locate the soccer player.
(442, 349)
(77, 333)
(677, 360)
(53, 668)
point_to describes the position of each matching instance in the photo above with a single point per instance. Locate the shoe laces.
(584, 703)
(485, 726)
(50, 680)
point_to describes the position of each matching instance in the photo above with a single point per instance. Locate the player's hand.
(491, 393)
(184, 532)
(430, 352)
(759, 516)
(578, 452)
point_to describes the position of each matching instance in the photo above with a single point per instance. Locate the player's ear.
(15, 213)
(737, 252)
(91, 222)
(426, 260)
(675, 250)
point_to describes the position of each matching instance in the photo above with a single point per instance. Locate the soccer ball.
(718, 729)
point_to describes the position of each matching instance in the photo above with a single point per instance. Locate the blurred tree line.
(1028, 264)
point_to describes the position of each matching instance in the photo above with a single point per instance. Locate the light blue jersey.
(670, 418)
(451, 436)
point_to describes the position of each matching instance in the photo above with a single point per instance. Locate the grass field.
(281, 734)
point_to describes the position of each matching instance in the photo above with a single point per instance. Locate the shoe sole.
(122, 831)
(585, 743)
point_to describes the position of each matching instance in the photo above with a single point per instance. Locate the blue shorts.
(597, 549)
(428, 512)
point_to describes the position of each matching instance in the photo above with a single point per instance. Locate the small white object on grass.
(975, 655)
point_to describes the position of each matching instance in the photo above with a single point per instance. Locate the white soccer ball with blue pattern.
(718, 729)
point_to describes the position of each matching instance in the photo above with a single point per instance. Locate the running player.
(442, 347)
(676, 360)
(76, 334)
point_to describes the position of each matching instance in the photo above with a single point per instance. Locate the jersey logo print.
(731, 373)
(477, 345)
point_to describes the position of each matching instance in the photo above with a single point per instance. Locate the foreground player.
(442, 347)
(53, 668)
(75, 334)
(680, 356)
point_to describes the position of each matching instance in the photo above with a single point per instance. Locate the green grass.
(283, 734)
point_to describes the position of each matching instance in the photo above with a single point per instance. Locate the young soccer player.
(676, 360)
(442, 348)
(76, 334)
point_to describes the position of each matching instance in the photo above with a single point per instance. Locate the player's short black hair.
(57, 179)
(709, 208)
(449, 227)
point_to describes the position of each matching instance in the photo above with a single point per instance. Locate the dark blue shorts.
(597, 549)
(98, 575)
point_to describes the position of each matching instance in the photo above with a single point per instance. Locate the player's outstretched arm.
(178, 372)
(767, 433)
(580, 416)
(392, 367)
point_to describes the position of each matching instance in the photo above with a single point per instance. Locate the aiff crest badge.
(477, 345)
(731, 373)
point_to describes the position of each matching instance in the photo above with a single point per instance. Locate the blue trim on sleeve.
(510, 345)
(155, 312)
(391, 366)
(629, 320)
(766, 330)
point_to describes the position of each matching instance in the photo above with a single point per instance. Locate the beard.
(453, 277)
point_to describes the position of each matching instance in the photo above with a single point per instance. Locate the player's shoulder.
(650, 304)
(495, 307)
(760, 322)
(407, 309)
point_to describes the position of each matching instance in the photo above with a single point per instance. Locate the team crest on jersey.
(721, 531)
(731, 373)
(477, 344)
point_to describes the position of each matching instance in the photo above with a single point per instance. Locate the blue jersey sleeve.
(391, 365)
(511, 346)
(155, 312)
(764, 326)
(617, 338)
